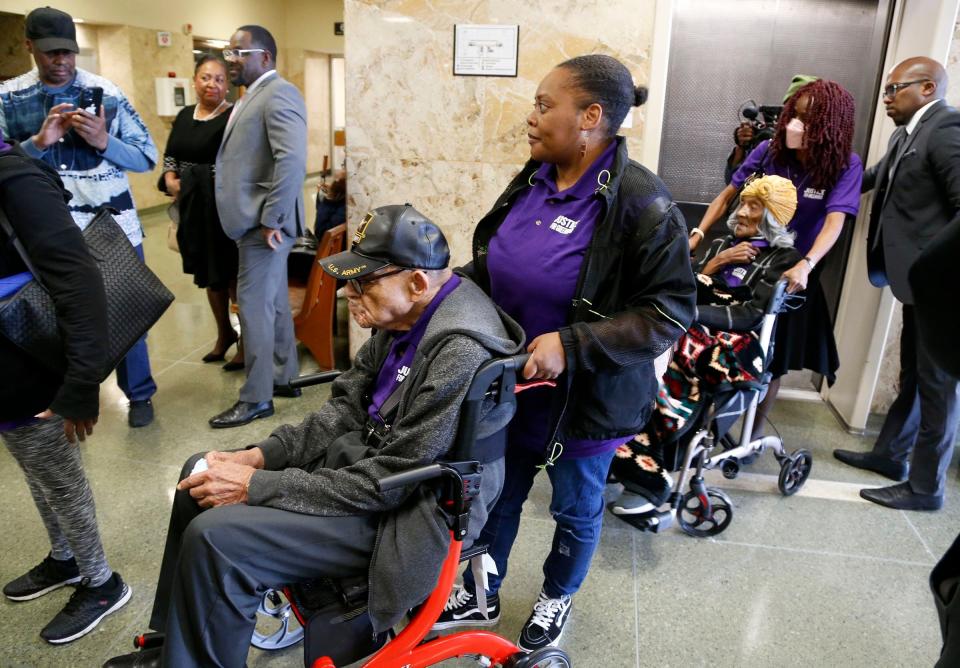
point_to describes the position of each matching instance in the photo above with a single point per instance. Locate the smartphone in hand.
(91, 100)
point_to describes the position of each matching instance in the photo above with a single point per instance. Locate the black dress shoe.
(234, 366)
(871, 462)
(241, 413)
(147, 658)
(286, 391)
(902, 497)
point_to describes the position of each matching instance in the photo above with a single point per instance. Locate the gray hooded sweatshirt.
(322, 467)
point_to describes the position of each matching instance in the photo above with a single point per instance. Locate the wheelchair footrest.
(655, 521)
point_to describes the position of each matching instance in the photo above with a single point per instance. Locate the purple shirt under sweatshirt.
(534, 263)
(403, 348)
(813, 204)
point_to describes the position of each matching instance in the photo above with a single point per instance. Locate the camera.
(760, 116)
(762, 119)
(91, 100)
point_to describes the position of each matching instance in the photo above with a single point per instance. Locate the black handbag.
(136, 298)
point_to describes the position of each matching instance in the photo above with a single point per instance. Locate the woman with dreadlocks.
(812, 148)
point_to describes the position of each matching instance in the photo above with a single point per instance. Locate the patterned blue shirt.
(94, 178)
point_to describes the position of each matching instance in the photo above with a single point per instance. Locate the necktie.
(894, 152)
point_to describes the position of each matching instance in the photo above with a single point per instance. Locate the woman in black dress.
(188, 173)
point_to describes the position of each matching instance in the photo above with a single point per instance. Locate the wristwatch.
(810, 263)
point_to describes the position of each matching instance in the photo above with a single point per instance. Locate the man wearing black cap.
(82, 125)
(304, 504)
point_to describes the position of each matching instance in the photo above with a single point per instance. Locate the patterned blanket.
(704, 362)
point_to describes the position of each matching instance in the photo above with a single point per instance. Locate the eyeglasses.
(893, 89)
(356, 284)
(238, 54)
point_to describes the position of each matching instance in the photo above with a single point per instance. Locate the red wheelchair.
(331, 615)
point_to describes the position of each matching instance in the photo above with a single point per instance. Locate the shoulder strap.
(21, 251)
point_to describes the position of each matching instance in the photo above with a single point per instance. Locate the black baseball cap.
(397, 235)
(52, 30)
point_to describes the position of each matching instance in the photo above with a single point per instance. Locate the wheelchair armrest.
(314, 378)
(411, 477)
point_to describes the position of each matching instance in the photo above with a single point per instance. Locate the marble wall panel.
(450, 144)
(14, 58)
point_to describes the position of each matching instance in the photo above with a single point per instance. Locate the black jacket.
(762, 276)
(921, 200)
(635, 296)
(34, 201)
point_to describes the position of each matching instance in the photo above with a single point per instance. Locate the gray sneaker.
(42, 579)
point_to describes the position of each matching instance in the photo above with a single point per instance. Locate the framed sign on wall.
(483, 50)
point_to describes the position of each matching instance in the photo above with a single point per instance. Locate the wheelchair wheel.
(545, 657)
(794, 471)
(697, 521)
(277, 626)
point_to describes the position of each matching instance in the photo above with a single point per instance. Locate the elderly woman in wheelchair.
(720, 360)
(307, 503)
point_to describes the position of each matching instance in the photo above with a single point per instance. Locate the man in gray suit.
(259, 189)
(917, 195)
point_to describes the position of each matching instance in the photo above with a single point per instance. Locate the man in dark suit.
(259, 189)
(917, 195)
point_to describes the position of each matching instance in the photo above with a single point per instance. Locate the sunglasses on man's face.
(356, 284)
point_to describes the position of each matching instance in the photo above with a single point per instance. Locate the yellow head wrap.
(777, 194)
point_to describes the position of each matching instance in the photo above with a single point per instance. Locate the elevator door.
(725, 52)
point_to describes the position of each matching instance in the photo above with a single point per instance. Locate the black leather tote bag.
(136, 298)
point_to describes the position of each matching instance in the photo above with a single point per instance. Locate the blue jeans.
(576, 506)
(133, 372)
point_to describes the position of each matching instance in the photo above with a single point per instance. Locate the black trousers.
(218, 563)
(922, 420)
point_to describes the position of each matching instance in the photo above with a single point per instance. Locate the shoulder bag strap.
(21, 251)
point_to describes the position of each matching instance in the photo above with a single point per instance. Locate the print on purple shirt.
(534, 263)
(396, 365)
(813, 205)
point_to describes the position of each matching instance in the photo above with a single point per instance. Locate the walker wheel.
(277, 626)
(702, 517)
(730, 468)
(545, 657)
(794, 471)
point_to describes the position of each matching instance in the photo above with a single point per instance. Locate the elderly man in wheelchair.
(306, 503)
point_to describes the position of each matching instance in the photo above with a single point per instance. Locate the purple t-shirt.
(733, 274)
(813, 205)
(534, 263)
(403, 348)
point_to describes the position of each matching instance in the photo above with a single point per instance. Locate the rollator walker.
(707, 511)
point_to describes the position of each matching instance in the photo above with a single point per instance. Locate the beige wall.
(449, 145)
(14, 59)
(888, 382)
(132, 59)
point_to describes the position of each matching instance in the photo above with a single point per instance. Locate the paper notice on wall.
(485, 50)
